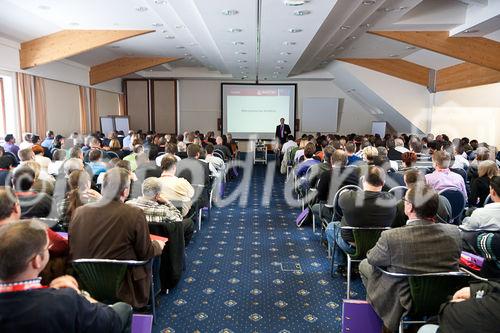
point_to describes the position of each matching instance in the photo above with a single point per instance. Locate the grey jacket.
(419, 247)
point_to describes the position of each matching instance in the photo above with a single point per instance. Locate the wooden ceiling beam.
(67, 43)
(465, 75)
(399, 68)
(476, 50)
(123, 66)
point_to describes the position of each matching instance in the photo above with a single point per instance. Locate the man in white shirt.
(400, 145)
(461, 162)
(488, 217)
(289, 144)
(26, 141)
(175, 188)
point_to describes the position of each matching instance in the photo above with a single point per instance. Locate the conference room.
(250, 166)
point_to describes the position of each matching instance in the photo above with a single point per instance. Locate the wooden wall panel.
(165, 106)
(138, 104)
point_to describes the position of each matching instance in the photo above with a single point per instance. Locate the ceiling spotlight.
(368, 2)
(238, 43)
(74, 24)
(385, 9)
(289, 43)
(244, 72)
(169, 37)
(301, 12)
(180, 26)
(324, 62)
(241, 61)
(294, 2)
(141, 9)
(180, 47)
(274, 77)
(240, 52)
(279, 67)
(345, 27)
(281, 61)
(354, 37)
(393, 55)
(234, 30)
(294, 30)
(203, 56)
(187, 54)
(285, 53)
(244, 76)
(157, 25)
(115, 46)
(276, 72)
(366, 25)
(340, 48)
(229, 12)
(243, 67)
(471, 31)
(44, 7)
(160, 2)
(410, 47)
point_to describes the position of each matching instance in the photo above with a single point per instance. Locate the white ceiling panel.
(432, 59)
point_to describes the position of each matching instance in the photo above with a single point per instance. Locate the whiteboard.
(121, 124)
(107, 125)
(378, 127)
(320, 114)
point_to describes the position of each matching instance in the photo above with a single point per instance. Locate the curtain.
(83, 110)
(122, 110)
(94, 116)
(3, 119)
(40, 106)
(24, 96)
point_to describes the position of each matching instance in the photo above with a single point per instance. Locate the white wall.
(199, 104)
(472, 112)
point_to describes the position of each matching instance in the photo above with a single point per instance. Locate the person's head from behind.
(441, 159)
(369, 153)
(339, 158)
(193, 151)
(95, 155)
(290, 137)
(209, 148)
(374, 179)
(409, 159)
(71, 165)
(151, 188)
(27, 137)
(38, 150)
(10, 210)
(116, 184)
(413, 176)
(9, 138)
(35, 166)
(125, 165)
(181, 147)
(24, 250)
(495, 188)
(398, 142)
(487, 169)
(115, 145)
(6, 163)
(58, 155)
(95, 143)
(350, 148)
(382, 152)
(327, 153)
(76, 152)
(79, 180)
(482, 154)
(26, 154)
(171, 148)
(168, 163)
(421, 202)
(309, 150)
(23, 178)
(35, 139)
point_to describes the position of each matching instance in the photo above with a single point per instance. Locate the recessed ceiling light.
(229, 12)
(301, 12)
(393, 55)
(244, 76)
(157, 25)
(160, 2)
(471, 31)
(187, 54)
(354, 37)
(234, 30)
(276, 72)
(243, 67)
(180, 47)
(244, 72)
(169, 37)
(410, 47)
(274, 77)
(324, 62)
(345, 27)
(115, 46)
(203, 56)
(279, 67)
(238, 43)
(180, 26)
(385, 9)
(294, 30)
(332, 56)
(294, 2)
(44, 7)
(74, 24)
(340, 48)
(368, 2)
(366, 25)
(281, 61)
(239, 52)
(241, 60)
(141, 9)
(289, 43)
(285, 53)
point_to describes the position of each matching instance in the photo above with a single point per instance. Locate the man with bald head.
(222, 148)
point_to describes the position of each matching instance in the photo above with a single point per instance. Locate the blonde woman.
(480, 186)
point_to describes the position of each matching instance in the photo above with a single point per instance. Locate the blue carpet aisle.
(243, 273)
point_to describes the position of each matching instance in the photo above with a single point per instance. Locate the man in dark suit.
(282, 131)
(422, 246)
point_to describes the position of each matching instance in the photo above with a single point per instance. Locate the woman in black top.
(480, 186)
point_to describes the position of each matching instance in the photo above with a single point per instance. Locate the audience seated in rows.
(422, 246)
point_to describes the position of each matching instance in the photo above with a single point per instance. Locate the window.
(8, 122)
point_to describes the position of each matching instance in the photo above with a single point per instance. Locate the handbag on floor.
(358, 316)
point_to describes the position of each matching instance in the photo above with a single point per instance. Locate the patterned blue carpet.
(250, 269)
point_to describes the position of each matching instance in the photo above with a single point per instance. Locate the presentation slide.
(255, 110)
